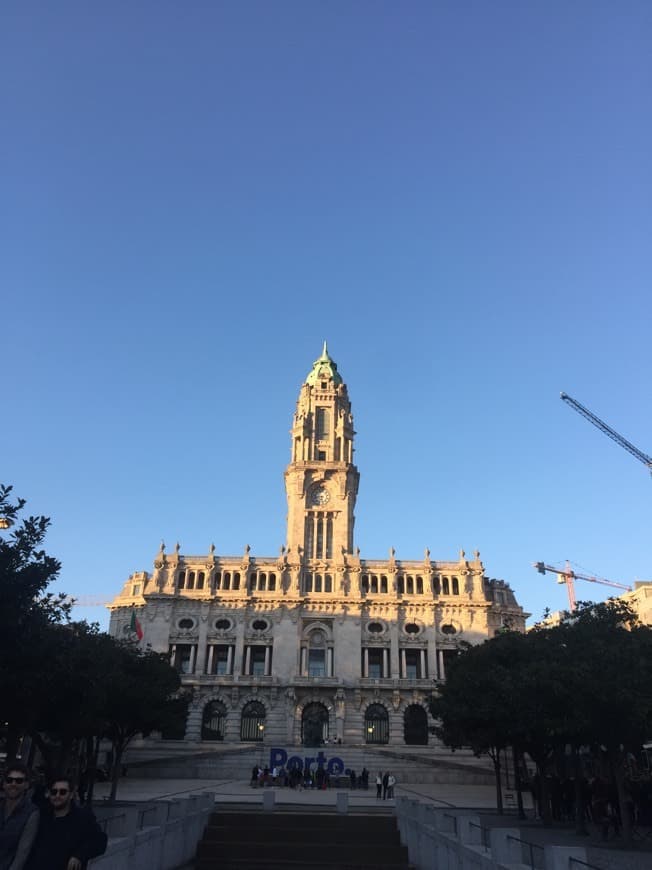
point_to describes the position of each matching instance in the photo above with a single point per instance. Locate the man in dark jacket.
(18, 818)
(68, 835)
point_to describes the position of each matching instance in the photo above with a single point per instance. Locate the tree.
(26, 610)
(140, 695)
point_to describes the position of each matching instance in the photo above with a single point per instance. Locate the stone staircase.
(301, 841)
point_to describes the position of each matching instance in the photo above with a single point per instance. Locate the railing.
(484, 835)
(527, 853)
(572, 861)
(147, 817)
(104, 823)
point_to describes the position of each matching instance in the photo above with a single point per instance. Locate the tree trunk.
(118, 749)
(499, 784)
(92, 753)
(580, 809)
(517, 784)
(618, 773)
(544, 797)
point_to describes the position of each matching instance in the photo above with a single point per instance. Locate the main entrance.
(314, 724)
(415, 725)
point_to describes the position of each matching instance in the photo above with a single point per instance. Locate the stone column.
(229, 660)
(403, 672)
(247, 664)
(329, 661)
(393, 634)
(267, 660)
(239, 648)
(211, 653)
(424, 672)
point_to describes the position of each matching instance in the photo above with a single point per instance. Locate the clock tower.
(321, 480)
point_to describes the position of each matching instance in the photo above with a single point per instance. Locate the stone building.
(317, 644)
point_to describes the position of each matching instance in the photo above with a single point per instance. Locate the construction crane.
(568, 577)
(602, 426)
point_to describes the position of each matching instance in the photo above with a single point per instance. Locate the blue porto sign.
(279, 758)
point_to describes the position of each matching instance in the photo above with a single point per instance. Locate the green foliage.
(62, 681)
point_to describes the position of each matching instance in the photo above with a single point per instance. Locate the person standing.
(385, 784)
(18, 818)
(391, 782)
(379, 785)
(68, 835)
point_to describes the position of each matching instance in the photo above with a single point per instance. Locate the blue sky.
(457, 195)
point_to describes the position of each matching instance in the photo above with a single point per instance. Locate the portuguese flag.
(135, 625)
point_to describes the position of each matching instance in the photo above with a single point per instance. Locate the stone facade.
(317, 644)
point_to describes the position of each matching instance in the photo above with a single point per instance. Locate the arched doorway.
(376, 724)
(415, 725)
(213, 721)
(314, 724)
(252, 724)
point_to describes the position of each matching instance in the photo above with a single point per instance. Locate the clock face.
(319, 496)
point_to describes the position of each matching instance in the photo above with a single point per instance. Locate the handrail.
(572, 861)
(104, 822)
(531, 848)
(484, 835)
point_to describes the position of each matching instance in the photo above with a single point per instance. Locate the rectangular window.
(221, 661)
(182, 660)
(322, 424)
(413, 664)
(317, 663)
(376, 657)
(257, 661)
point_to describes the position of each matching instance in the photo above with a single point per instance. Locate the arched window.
(213, 722)
(201, 577)
(383, 583)
(217, 580)
(272, 582)
(400, 585)
(374, 583)
(328, 583)
(456, 586)
(410, 585)
(445, 586)
(376, 724)
(419, 585)
(365, 583)
(236, 580)
(181, 580)
(436, 585)
(415, 725)
(252, 724)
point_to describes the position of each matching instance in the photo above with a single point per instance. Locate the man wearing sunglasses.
(68, 835)
(18, 818)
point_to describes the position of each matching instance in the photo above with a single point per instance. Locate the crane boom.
(568, 577)
(603, 427)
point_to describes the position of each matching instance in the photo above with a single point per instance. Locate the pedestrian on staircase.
(379, 785)
(385, 784)
(391, 782)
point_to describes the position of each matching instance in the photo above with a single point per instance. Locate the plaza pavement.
(239, 791)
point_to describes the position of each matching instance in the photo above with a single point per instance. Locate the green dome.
(322, 368)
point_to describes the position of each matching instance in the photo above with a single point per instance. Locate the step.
(311, 834)
(300, 849)
(290, 864)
